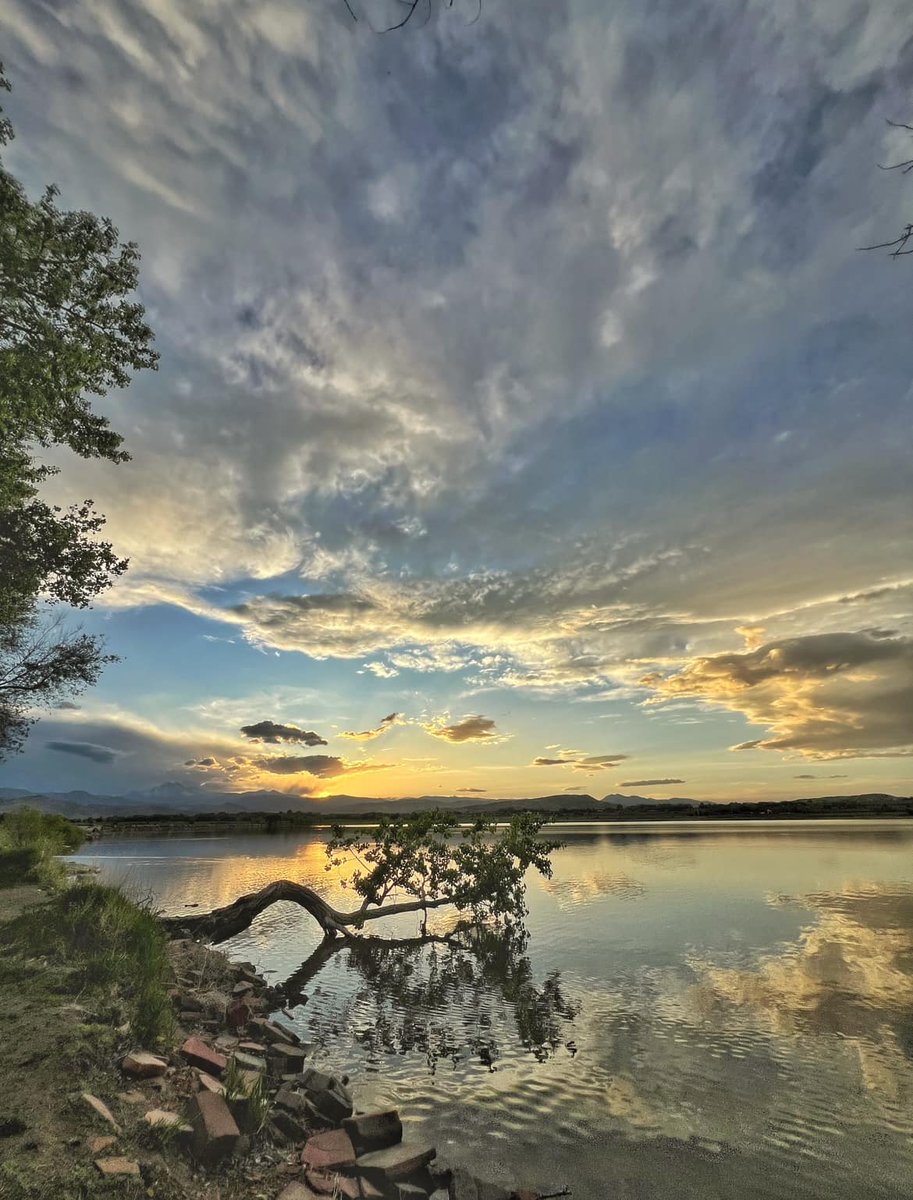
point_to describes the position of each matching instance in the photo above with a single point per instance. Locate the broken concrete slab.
(374, 1130)
(142, 1065)
(117, 1166)
(210, 1083)
(101, 1108)
(100, 1142)
(396, 1162)
(162, 1118)
(342, 1187)
(332, 1149)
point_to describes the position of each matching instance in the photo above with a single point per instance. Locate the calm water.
(699, 1012)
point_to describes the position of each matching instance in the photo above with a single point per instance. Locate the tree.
(899, 246)
(69, 330)
(479, 870)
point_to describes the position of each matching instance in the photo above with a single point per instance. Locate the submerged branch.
(223, 923)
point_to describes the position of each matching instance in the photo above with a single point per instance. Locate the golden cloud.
(833, 695)
(469, 729)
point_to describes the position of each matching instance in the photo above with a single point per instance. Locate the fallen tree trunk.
(223, 923)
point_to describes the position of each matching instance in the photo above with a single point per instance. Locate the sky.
(527, 419)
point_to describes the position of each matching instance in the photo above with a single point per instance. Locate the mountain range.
(172, 798)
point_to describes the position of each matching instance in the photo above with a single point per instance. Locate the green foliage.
(429, 859)
(29, 839)
(114, 949)
(69, 330)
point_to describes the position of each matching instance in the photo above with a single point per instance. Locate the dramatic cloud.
(97, 754)
(470, 729)
(579, 760)
(273, 733)
(324, 766)
(839, 695)
(632, 783)
(385, 443)
(821, 777)
(368, 735)
(201, 762)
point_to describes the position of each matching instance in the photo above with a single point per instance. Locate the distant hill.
(172, 799)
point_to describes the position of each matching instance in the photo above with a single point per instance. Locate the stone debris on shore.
(239, 1090)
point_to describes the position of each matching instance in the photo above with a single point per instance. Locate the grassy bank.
(84, 977)
(29, 843)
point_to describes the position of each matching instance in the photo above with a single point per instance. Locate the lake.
(700, 1010)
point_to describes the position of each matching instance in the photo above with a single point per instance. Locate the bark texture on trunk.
(223, 923)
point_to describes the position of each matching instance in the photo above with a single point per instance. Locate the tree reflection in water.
(446, 995)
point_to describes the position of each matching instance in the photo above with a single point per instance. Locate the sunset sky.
(527, 419)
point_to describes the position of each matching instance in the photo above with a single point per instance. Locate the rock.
(238, 1014)
(396, 1162)
(210, 1083)
(287, 1057)
(131, 1097)
(524, 1194)
(242, 988)
(329, 1096)
(290, 1128)
(374, 1131)
(294, 1102)
(329, 1183)
(101, 1108)
(270, 1031)
(331, 1149)
(464, 1186)
(170, 1120)
(297, 1191)
(141, 1065)
(117, 1166)
(226, 1043)
(249, 1062)
(216, 1132)
(252, 1048)
(100, 1142)
(198, 1054)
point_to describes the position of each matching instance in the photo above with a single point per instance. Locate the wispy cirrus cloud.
(632, 783)
(579, 760)
(369, 735)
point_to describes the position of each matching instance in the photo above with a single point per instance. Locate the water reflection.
(849, 974)
(733, 1014)
(444, 996)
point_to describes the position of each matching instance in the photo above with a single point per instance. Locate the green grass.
(29, 842)
(113, 949)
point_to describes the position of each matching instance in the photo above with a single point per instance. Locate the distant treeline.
(829, 806)
(871, 805)
(252, 821)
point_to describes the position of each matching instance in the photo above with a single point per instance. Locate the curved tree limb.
(223, 923)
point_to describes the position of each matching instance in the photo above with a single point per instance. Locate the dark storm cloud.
(98, 754)
(273, 733)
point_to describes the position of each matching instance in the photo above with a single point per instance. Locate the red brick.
(216, 1132)
(200, 1055)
